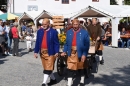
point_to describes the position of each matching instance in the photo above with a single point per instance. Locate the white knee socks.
(69, 81)
(45, 78)
(100, 58)
(82, 79)
(52, 76)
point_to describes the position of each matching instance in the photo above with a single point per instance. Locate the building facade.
(21, 6)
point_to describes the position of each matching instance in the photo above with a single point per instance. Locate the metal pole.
(13, 6)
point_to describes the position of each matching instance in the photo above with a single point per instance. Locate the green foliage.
(127, 2)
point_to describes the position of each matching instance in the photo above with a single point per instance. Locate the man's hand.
(98, 38)
(56, 55)
(83, 58)
(63, 54)
(35, 55)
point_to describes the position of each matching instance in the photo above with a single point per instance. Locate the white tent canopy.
(104, 11)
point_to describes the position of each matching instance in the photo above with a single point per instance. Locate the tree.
(113, 2)
(127, 2)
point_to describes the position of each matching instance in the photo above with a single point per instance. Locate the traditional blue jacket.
(52, 41)
(82, 42)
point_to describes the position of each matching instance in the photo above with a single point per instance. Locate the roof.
(104, 11)
(29, 15)
(44, 14)
(25, 16)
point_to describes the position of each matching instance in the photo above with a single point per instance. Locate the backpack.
(10, 33)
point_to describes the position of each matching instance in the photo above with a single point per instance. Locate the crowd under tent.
(114, 12)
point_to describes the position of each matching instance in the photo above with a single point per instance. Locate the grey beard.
(75, 29)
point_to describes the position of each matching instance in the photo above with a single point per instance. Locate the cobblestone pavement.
(27, 71)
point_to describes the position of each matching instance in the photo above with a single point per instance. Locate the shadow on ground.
(2, 61)
(119, 77)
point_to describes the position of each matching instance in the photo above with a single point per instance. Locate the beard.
(75, 28)
(45, 28)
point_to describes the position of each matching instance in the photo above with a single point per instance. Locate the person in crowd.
(69, 26)
(82, 25)
(29, 42)
(9, 40)
(28, 30)
(119, 39)
(95, 33)
(6, 38)
(34, 28)
(20, 32)
(15, 34)
(76, 47)
(2, 38)
(47, 44)
(106, 26)
(23, 29)
(124, 40)
(89, 22)
(107, 40)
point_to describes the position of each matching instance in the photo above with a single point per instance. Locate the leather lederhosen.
(47, 61)
(73, 62)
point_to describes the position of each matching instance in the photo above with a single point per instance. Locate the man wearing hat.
(28, 30)
(47, 44)
(15, 34)
(76, 47)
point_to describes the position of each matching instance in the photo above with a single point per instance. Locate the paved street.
(27, 71)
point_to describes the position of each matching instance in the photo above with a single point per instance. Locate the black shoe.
(102, 62)
(43, 84)
(52, 82)
(81, 84)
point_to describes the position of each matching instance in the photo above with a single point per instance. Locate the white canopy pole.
(115, 22)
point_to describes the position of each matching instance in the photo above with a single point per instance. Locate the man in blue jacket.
(76, 47)
(47, 44)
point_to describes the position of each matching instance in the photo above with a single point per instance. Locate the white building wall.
(21, 6)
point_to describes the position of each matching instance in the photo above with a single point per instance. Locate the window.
(32, 8)
(95, 0)
(65, 1)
